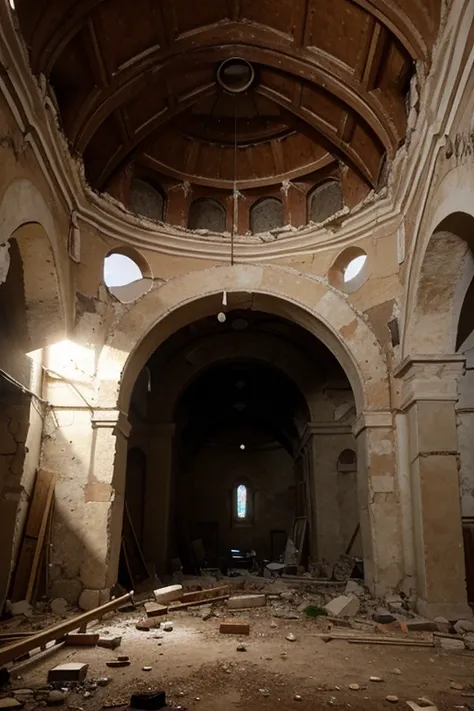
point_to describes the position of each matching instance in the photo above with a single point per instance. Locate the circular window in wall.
(349, 271)
(126, 275)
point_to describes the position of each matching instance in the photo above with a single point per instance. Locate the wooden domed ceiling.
(136, 82)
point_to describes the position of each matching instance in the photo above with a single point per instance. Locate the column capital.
(322, 428)
(112, 419)
(371, 419)
(429, 377)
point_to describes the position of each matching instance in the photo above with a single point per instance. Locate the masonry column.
(157, 516)
(427, 399)
(378, 502)
(104, 496)
(327, 441)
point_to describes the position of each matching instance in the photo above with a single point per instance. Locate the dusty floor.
(202, 670)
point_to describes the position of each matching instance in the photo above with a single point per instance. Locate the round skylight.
(120, 270)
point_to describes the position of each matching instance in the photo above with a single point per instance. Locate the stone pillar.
(321, 444)
(87, 450)
(428, 395)
(378, 502)
(157, 515)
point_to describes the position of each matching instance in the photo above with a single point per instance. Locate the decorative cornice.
(430, 378)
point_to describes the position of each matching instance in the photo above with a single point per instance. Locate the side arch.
(25, 217)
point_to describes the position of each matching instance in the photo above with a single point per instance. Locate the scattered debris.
(391, 698)
(56, 697)
(59, 606)
(167, 627)
(297, 697)
(376, 679)
(241, 647)
(456, 686)
(354, 687)
(291, 637)
(118, 663)
(147, 669)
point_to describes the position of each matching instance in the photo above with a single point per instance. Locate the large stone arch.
(25, 217)
(281, 291)
(443, 270)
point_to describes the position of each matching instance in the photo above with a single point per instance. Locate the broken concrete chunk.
(343, 606)
(81, 639)
(442, 624)
(109, 642)
(56, 697)
(68, 672)
(89, 600)
(154, 609)
(9, 703)
(241, 602)
(463, 626)
(21, 608)
(353, 588)
(59, 606)
(419, 624)
(234, 627)
(168, 594)
(167, 627)
(452, 644)
(147, 624)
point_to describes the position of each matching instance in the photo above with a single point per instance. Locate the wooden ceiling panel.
(113, 20)
(202, 14)
(138, 79)
(281, 16)
(339, 29)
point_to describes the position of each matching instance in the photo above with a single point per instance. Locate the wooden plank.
(32, 530)
(205, 594)
(57, 632)
(196, 603)
(40, 539)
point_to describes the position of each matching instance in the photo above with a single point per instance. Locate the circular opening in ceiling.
(235, 75)
(354, 267)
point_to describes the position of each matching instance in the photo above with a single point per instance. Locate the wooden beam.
(40, 640)
(375, 57)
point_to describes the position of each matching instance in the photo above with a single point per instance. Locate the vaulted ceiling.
(136, 82)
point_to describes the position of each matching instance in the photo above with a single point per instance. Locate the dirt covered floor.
(202, 670)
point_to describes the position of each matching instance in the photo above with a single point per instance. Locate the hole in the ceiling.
(235, 75)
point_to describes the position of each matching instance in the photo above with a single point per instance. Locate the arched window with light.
(242, 509)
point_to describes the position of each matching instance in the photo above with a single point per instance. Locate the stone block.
(68, 672)
(170, 593)
(343, 606)
(463, 626)
(234, 627)
(452, 644)
(419, 624)
(81, 639)
(443, 624)
(89, 600)
(109, 642)
(353, 588)
(241, 602)
(21, 608)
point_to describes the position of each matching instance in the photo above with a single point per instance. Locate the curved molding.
(277, 290)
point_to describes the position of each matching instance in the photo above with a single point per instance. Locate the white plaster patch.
(382, 484)
(381, 446)
(336, 312)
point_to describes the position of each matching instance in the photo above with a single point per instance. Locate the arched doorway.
(243, 423)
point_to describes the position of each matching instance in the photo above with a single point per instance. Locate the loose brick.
(234, 627)
(168, 594)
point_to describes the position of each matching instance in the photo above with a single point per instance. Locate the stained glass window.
(241, 501)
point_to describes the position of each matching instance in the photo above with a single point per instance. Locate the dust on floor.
(201, 669)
